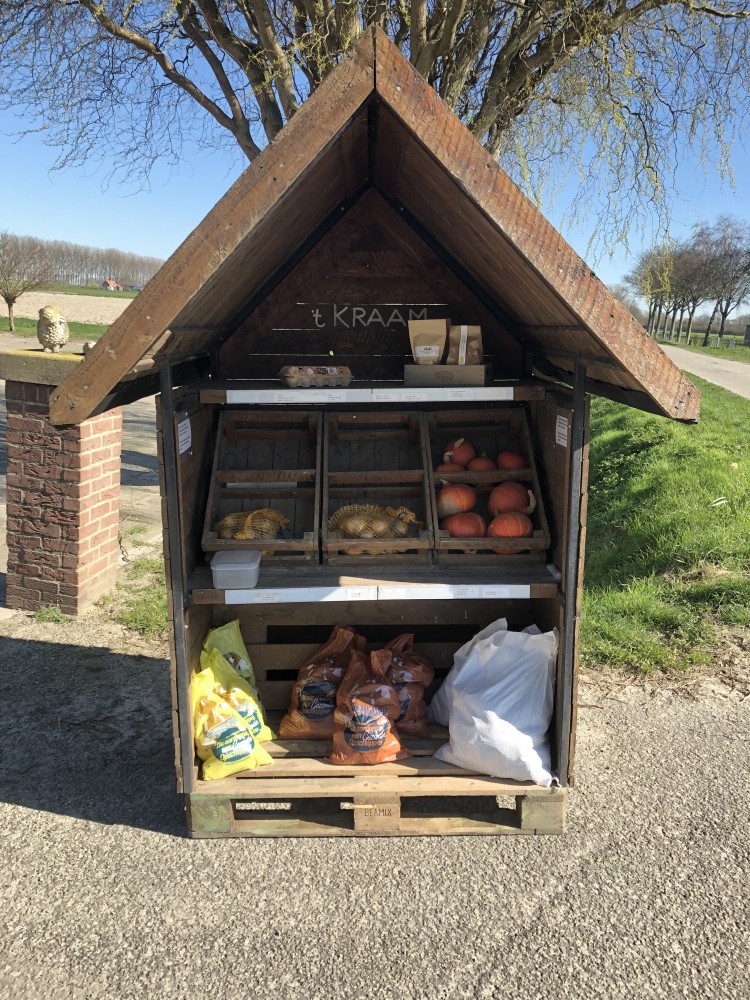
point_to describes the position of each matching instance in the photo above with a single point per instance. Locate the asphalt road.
(732, 375)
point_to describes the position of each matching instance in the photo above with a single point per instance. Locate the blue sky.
(77, 206)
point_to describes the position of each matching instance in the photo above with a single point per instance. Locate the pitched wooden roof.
(375, 123)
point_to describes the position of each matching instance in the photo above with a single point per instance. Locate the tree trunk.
(708, 328)
(657, 321)
(666, 320)
(11, 318)
(691, 314)
(679, 325)
(723, 313)
(672, 324)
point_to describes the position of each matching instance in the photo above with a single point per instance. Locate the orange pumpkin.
(465, 525)
(511, 460)
(510, 525)
(455, 498)
(481, 464)
(460, 450)
(508, 497)
(450, 467)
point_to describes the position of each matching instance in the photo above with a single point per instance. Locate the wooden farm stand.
(373, 205)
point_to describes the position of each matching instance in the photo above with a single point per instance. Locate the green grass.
(739, 353)
(135, 531)
(86, 290)
(145, 610)
(78, 331)
(140, 600)
(668, 538)
(51, 614)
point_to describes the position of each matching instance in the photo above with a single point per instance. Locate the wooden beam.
(248, 202)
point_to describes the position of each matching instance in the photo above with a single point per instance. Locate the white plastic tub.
(235, 569)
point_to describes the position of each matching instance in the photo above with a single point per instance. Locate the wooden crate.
(378, 458)
(268, 459)
(490, 431)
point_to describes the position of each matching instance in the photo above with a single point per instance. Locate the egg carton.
(319, 376)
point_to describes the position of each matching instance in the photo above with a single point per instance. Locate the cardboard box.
(437, 375)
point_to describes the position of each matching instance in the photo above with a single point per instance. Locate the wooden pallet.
(420, 796)
(376, 458)
(268, 459)
(490, 431)
(302, 795)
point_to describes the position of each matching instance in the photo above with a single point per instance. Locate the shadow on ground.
(87, 733)
(139, 469)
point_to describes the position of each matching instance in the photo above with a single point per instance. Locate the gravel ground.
(75, 308)
(105, 897)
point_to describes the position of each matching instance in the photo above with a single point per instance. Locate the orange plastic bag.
(310, 715)
(366, 706)
(410, 673)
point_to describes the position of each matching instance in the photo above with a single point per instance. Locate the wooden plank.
(265, 787)
(377, 815)
(323, 748)
(251, 200)
(292, 767)
(543, 815)
(193, 481)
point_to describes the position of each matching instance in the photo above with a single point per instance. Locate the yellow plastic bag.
(223, 739)
(235, 690)
(228, 640)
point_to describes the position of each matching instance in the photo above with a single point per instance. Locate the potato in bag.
(223, 739)
(240, 694)
(366, 706)
(236, 691)
(410, 673)
(310, 715)
(228, 640)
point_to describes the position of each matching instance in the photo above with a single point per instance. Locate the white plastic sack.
(500, 702)
(439, 708)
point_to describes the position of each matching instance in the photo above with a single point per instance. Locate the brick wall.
(63, 503)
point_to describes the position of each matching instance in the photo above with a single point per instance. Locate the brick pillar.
(63, 503)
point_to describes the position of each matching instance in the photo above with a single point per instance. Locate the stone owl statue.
(52, 330)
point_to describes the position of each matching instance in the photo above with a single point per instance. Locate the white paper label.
(427, 351)
(511, 591)
(392, 593)
(459, 394)
(361, 593)
(464, 593)
(285, 397)
(184, 435)
(383, 395)
(415, 397)
(561, 431)
(463, 341)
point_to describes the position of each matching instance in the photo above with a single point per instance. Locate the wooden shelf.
(277, 585)
(265, 393)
